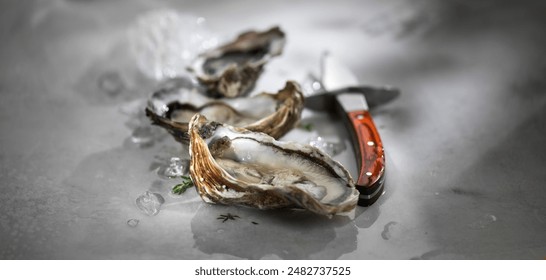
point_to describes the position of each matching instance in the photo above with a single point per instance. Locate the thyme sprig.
(182, 187)
(307, 126)
(229, 216)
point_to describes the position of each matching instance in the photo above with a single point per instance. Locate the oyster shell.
(273, 114)
(231, 165)
(231, 70)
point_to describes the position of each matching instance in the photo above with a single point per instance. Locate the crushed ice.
(165, 41)
(177, 168)
(331, 148)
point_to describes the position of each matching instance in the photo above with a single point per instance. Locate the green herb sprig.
(307, 126)
(182, 187)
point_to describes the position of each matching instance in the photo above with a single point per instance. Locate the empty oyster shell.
(273, 114)
(231, 165)
(231, 70)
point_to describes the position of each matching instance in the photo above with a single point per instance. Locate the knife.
(342, 90)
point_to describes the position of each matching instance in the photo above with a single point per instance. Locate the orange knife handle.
(371, 156)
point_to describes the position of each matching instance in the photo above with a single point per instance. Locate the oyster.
(273, 114)
(231, 70)
(231, 165)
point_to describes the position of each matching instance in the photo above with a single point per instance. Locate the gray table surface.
(465, 141)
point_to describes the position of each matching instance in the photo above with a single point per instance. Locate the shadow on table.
(285, 234)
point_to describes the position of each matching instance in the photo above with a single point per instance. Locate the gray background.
(465, 141)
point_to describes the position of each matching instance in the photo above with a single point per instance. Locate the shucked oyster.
(232, 165)
(273, 114)
(231, 70)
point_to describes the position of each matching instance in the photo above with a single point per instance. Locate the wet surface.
(464, 141)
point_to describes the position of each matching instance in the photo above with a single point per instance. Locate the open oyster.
(231, 165)
(273, 114)
(231, 70)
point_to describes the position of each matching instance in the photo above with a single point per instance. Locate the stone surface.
(464, 141)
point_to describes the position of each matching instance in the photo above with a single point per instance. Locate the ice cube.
(150, 203)
(132, 222)
(176, 168)
(330, 148)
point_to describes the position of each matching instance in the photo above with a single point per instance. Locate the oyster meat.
(232, 69)
(233, 165)
(273, 114)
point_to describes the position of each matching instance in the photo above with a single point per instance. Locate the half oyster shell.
(231, 165)
(231, 70)
(273, 114)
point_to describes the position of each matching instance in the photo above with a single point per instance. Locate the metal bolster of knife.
(366, 143)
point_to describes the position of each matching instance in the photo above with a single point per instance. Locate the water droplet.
(146, 135)
(142, 135)
(387, 234)
(111, 83)
(132, 222)
(133, 108)
(150, 203)
(316, 86)
(310, 85)
(330, 148)
(483, 221)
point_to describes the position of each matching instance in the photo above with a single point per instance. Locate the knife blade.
(341, 83)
